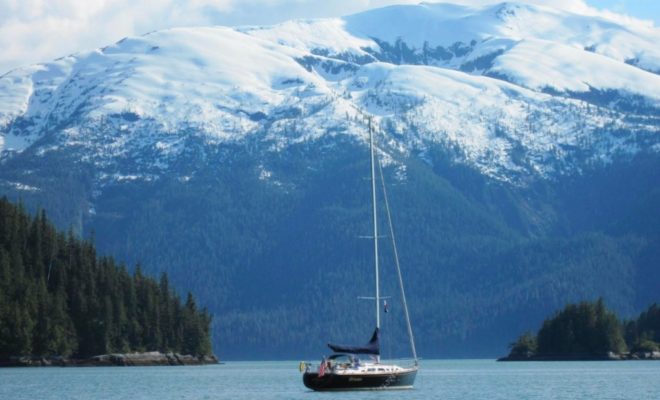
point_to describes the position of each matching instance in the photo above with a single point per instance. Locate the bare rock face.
(655, 355)
(152, 358)
(648, 355)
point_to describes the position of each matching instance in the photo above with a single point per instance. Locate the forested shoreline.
(589, 331)
(58, 298)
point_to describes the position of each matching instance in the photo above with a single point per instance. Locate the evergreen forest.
(282, 259)
(590, 330)
(59, 298)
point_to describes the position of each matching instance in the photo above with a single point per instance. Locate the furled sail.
(373, 347)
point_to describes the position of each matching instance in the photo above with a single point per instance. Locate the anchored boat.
(345, 370)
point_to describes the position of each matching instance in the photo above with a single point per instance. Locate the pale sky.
(33, 31)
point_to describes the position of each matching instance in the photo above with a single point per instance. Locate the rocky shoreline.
(153, 358)
(578, 357)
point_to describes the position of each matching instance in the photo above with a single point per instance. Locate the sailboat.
(344, 370)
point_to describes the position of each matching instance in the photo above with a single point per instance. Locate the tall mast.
(373, 202)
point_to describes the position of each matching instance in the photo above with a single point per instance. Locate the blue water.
(464, 380)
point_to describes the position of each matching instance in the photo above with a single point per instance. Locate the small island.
(588, 331)
(62, 305)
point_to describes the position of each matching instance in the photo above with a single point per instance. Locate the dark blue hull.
(331, 381)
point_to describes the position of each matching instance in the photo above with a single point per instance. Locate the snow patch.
(22, 186)
(504, 88)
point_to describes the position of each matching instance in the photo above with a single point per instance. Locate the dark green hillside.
(57, 297)
(279, 254)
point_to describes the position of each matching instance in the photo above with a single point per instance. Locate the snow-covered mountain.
(522, 147)
(514, 90)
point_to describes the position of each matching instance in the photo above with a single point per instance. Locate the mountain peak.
(514, 89)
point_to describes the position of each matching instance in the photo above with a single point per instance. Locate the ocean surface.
(447, 380)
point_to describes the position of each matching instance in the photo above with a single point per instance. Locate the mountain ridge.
(263, 80)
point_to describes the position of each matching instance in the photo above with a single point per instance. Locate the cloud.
(40, 30)
(34, 31)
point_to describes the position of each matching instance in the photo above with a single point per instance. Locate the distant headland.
(589, 332)
(62, 304)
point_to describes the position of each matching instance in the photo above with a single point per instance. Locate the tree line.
(59, 298)
(589, 329)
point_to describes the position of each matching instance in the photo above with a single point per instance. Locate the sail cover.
(373, 347)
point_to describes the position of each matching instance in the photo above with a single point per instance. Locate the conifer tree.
(58, 298)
